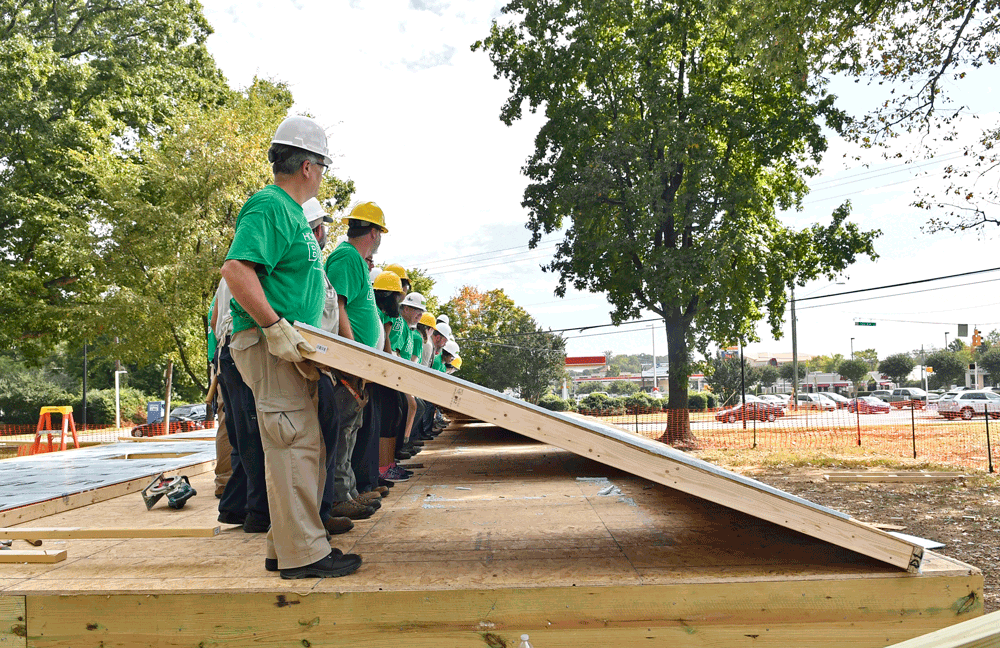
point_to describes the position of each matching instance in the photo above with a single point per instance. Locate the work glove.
(285, 342)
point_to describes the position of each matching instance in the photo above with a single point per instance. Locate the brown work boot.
(338, 525)
(383, 491)
(371, 499)
(352, 509)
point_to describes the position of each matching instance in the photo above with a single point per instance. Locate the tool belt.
(354, 385)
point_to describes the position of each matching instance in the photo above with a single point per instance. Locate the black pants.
(246, 490)
(364, 460)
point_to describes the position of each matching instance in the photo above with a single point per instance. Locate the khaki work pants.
(223, 451)
(294, 455)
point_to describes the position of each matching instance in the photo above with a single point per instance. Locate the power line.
(899, 285)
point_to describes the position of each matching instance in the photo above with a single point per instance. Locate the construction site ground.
(962, 513)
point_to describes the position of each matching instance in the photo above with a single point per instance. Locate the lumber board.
(79, 533)
(901, 477)
(72, 501)
(162, 437)
(982, 632)
(32, 556)
(614, 447)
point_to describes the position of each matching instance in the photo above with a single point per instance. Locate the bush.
(553, 403)
(101, 406)
(697, 401)
(602, 405)
(642, 403)
(24, 394)
(623, 387)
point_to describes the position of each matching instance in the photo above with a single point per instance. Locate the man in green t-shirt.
(348, 273)
(274, 271)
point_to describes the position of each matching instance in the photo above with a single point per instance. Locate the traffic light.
(929, 369)
(977, 339)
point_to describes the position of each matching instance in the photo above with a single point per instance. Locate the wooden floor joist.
(614, 447)
(982, 632)
(78, 533)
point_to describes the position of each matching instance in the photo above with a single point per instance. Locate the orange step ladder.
(45, 427)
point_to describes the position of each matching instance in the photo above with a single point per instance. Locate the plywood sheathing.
(615, 447)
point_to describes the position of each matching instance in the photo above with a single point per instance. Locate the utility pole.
(795, 356)
(652, 330)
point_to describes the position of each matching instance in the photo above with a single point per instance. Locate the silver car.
(970, 404)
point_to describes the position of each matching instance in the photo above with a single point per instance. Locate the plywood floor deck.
(497, 535)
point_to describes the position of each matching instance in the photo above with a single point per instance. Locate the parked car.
(868, 405)
(840, 401)
(752, 409)
(907, 397)
(814, 402)
(785, 398)
(182, 419)
(970, 404)
(774, 399)
(882, 394)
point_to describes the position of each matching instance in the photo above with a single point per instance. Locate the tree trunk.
(678, 433)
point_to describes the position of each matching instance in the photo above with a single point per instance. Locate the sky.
(412, 117)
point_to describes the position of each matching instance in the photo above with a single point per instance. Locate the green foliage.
(949, 369)
(623, 387)
(423, 283)
(726, 379)
(672, 133)
(101, 406)
(897, 366)
(80, 79)
(554, 403)
(588, 387)
(767, 375)
(642, 402)
(697, 401)
(24, 392)
(502, 347)
(990, 362)
(787, 370)
(854, 370)
(868, 356)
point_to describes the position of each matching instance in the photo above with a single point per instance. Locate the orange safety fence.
(907, 432)
(24, 435)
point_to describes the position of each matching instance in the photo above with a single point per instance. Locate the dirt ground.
(962, 513)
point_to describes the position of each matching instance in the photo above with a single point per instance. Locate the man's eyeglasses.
(325, 166)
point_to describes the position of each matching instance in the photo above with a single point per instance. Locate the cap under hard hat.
(426, 319)
(368, 212)
(415, 300)
(314, 213)
(388, 281)
(303, 133)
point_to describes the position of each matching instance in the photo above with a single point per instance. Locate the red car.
(755, 409)
(868, 405)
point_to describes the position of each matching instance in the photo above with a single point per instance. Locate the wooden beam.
(72, 501)
(982, 632)
(13, 622)
(901, 477)
(77, 533)
(614, 447)
(30, 556)
(163, 437)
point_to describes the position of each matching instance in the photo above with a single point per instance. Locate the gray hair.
(287, 159)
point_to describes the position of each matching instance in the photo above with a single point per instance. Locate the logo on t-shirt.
(314, 253)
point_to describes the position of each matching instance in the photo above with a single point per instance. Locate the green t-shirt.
(212, 342)
(272, 232)
(399, 337)
(439, 364)
(416, 345)
(348, 273)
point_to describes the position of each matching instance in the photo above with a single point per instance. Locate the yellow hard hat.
(398, 269)
(427, 320)
(456, 362)
(388, 281)
(368, 212)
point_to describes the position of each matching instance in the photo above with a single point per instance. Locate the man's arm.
(345, 322)
(247, 291)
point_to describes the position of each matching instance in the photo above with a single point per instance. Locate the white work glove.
(285, 342)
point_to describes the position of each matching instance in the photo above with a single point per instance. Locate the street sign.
(864, 323)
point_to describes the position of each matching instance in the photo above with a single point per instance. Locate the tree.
(79, 78)
(767, 376)
(672, 132)
(786, 371)
(502, 346)
(990, 362)
(423, 283)
(897, 366)
(868, 356)
(854, 370)
(165, 220)
(727, 380)
(948, 367)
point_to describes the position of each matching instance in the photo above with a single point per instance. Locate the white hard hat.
(373, 274)
(451, 347)
(303, 133)
(415, 300)
(443, 329)
(443, 318)
(314, 212)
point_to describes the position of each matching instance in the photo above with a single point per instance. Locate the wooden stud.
(77, 533)
(983, 632)
(164, 438)
(613, 447)
(902, 477)
(29, 556)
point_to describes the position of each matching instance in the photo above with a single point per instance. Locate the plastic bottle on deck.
(524, 642)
